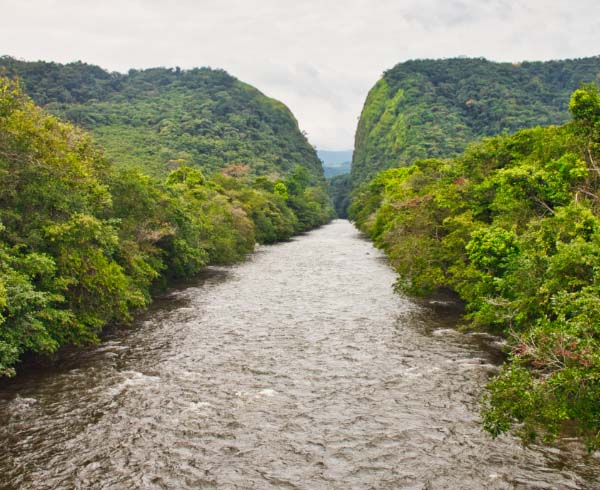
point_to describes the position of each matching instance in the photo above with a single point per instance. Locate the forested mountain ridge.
(162, 118)
(434, 108)
(335, 162)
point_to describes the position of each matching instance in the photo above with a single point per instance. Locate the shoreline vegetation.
(513, 227)
(85, 243)
(162, 172)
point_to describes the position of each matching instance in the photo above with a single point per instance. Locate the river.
(297, 369)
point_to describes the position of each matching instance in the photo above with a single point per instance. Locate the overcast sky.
(320, 57)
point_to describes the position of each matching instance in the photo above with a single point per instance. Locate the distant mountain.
(335, 162)
(161, 118)
(434, 108)
(332, 170)
(334, 157)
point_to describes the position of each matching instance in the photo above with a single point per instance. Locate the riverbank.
(299, 367)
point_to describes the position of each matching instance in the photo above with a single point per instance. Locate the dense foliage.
(340, 187)
(162, 118)
(434, 108)
(513, 226)
(84, 243)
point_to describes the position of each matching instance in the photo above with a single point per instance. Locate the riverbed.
(297, 369)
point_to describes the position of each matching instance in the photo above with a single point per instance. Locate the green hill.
(434, 108)
(163, 118)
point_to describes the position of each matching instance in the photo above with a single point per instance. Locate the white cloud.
(320, 57)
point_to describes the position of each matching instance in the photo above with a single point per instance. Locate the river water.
(298, 369)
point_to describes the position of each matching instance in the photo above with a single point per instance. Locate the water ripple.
(298, 369)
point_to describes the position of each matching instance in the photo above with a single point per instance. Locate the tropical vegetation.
(435, 108)
(513, 227)
(162, 118)
(85, 243)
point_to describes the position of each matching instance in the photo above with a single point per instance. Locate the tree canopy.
(435, 108)
(162, 118)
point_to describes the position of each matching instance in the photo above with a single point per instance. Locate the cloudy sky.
(320, 57)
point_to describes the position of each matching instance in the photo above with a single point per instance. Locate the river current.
(297, 369)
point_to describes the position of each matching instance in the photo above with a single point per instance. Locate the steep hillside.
(434, 108)
(340, 188)
(162, 118)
